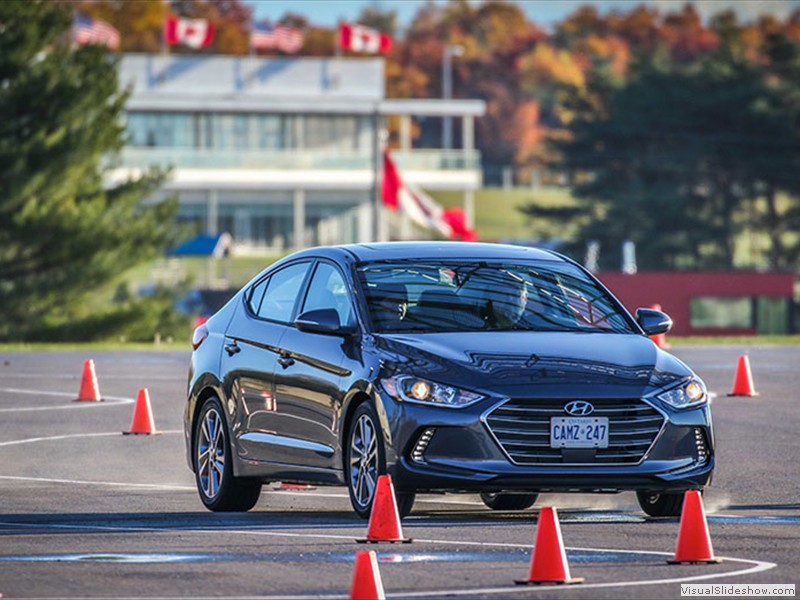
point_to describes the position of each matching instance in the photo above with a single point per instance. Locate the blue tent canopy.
(209, 246)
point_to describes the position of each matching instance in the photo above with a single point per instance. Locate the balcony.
(300, 160)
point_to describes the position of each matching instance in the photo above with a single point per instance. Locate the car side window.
(256, 294)
(328, 290)
(281, 294)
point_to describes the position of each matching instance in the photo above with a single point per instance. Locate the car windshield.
(486, 296)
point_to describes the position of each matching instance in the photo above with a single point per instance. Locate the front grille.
(522, 427)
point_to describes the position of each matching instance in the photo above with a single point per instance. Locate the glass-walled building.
(280, 153)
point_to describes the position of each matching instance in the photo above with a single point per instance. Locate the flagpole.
(164, 46)
(377, 201)
(337, 56)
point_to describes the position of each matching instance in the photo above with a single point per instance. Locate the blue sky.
(543, 12)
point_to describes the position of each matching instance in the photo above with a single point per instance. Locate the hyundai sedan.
(498, 370)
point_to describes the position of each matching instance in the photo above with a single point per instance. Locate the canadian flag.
(195, 33)
(358, 38)
(421, 208)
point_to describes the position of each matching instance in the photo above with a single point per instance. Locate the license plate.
(579, 432)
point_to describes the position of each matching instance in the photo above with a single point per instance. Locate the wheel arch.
(364, 391)
(353, 400)
(206, 387)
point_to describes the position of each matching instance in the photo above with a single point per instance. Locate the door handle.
(285, 361)
(232, 348)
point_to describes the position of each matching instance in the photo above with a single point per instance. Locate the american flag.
(93, 31)
(265, 35)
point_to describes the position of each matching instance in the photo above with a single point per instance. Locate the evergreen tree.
(65, 229)
(675, 158)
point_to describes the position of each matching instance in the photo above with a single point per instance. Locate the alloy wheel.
(211, 453)
(363, 460)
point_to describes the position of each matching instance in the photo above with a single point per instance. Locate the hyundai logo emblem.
(579, 408)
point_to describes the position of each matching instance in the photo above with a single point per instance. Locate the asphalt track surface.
(88, 512)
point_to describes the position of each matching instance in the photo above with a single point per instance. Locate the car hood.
(535, 364)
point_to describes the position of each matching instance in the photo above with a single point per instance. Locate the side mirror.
(652, 321)
(322, 320)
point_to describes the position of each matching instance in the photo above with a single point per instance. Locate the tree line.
(677, 133)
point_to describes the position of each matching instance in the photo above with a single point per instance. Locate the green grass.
(497, 214)
(783, 340)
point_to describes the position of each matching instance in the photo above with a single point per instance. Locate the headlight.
(415, 389)
(690, 393)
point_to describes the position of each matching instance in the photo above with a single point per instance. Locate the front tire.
(219, 490)
(505, 501)
(365, 460)
(660, 505)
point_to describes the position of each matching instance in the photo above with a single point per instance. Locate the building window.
(249, 131)
(773, 315)
(193, 211)
(160, 129)
(256, 219)
(270, 131)
(710, 312)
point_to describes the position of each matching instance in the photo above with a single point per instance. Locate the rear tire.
(365, 460)
(506, 501)
(661, 505)
(219, 490)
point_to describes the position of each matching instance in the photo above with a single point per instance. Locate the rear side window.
(281, 293)
(256, 294)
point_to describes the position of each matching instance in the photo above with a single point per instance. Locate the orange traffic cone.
(694, 542)
(89, 391)
(367, 583)
(743, 382)
(549, 560)
(142, 422)
(660, 339)
(384, 519)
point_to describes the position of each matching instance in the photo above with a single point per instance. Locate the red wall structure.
(674, 291)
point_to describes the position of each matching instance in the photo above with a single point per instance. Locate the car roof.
(445, 250)
(389, 251)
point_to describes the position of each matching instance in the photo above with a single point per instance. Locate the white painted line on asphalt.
(107, 401)
(73, 435)
(757, 566)
(84, 482)
(311, 493)
(78, 377)
(154, 486)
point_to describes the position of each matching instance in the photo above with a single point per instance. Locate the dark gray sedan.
(501, 370)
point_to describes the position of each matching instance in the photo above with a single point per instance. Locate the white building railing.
(332, 159)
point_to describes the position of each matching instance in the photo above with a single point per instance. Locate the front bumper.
(439, 449)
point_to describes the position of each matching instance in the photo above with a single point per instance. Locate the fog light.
(417, 454)
(700, 445)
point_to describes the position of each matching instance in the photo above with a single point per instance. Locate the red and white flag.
(195, 33)
(421, 208)
(287, 39)
(358, 38)
(94, 31)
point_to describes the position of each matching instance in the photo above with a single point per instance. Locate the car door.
(249, 360)
(309, 374)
